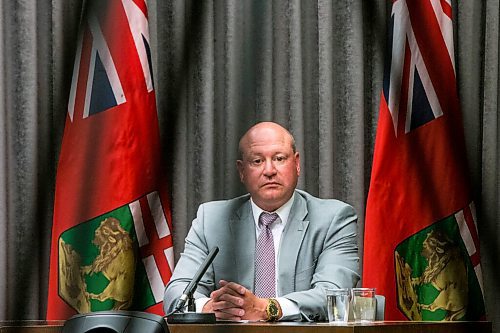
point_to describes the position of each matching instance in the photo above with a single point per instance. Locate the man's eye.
(256, 161)
(280, 158)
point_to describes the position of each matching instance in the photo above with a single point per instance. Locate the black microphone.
(177, 317)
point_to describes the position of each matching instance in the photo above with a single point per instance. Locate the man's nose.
(269, 168)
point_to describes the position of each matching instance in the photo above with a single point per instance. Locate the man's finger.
(225, 316)
(235, 301)
(216, 294)
(232, 311)
(221, 305)
(233, 286)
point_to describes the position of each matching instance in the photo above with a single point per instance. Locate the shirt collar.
(283, 212)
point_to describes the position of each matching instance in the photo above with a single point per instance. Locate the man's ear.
(239, 166)
(297, 163)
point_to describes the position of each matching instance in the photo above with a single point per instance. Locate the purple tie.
(265, 269)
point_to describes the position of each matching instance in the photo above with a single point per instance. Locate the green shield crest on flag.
(435, 279)
(99, 265)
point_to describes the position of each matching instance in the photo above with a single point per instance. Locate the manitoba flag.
(111, 238)
(421, 247)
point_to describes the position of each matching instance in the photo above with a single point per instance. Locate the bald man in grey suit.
(315, 240)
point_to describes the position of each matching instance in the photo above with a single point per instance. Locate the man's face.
(269, 168)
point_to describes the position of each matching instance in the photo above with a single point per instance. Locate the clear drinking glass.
(364, 304)
(338, 301)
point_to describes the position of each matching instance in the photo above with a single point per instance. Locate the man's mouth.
(271, 184)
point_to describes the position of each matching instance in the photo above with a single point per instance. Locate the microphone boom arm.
(191, 287)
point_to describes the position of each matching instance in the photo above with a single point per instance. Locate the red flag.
(111, 238)
(421, 248)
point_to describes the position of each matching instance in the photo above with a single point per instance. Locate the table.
(376, 327)
(31, 326)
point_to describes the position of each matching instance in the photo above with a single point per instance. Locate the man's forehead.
(278, 146)
(267, 136)
(259, 148)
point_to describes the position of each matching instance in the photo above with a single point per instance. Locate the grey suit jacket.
(318, 250)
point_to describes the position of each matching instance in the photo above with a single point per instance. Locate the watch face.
(272, 310)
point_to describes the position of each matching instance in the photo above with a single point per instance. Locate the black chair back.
(115, 322)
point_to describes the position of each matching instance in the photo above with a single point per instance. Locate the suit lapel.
(243, 232)
(291, 241)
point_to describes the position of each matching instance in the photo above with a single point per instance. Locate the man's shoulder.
(323, 207)
(313, 200)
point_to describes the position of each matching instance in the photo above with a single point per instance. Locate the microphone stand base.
(191, 318)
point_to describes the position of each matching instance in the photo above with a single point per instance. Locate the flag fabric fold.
(421, 248)
(111, 237)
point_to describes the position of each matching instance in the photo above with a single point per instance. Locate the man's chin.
(271, 193)
(272, 198)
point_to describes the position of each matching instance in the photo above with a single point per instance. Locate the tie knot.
(267, 219)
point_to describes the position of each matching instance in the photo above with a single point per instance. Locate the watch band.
(272, 310)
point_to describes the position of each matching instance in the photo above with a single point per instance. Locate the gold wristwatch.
(272, 310)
